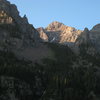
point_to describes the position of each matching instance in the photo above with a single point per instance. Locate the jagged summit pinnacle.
(54, 25)
(56, 22)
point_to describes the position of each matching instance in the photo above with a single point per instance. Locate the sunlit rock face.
(59, 33)
(5, 19)
(43, 35)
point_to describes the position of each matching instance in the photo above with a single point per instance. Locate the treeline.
(68, 77)
(71, 77)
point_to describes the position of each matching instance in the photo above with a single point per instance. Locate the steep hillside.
(18, 36)
(90, 40)
(16, 28)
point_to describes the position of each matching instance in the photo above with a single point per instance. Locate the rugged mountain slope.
(18, 36)
(90, 40)
(59, 33)
(15, 28)
(95, 36)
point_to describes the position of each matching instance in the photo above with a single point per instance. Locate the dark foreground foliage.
(57, 79)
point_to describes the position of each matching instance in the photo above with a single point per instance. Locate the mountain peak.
(96, 28)
(54, 25)
(56, 22)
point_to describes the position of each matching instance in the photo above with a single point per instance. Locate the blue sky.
(75, 13)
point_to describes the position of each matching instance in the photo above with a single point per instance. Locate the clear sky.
(75, 13)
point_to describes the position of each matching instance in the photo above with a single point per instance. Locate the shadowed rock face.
(83, 38)
(10, 15)
(90, 39)
(96, 28)
(18, 36)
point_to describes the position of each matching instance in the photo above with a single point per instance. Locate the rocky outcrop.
(95, 36)
(83, 38)
(88, 41)
(43, 35)
(5, 19)
(96, 28)
(84, 44)
(14, 29)
(60, 33)
(20, 37)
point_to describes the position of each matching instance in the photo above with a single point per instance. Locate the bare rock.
(16, 27)
(43, 35)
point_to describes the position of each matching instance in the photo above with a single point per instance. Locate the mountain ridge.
(60, 32)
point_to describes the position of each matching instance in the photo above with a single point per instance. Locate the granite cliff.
(60, 33)
(15, 29)
(90, 40)
(18, 36)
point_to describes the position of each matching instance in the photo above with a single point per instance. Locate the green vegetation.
(94, 58)
(23, 73)
(57, 79)
(67, 82)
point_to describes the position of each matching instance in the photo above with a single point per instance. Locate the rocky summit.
(57, 32)
(60, 33)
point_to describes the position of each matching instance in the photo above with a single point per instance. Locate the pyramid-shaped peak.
(56, 22)
(54, 25)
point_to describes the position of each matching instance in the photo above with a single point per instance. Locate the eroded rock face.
(83, 38)
(95, 37)
(17, 29)
(5, 19)
(89, 39)
(43, 35)
(59, 33)
(20, 37)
